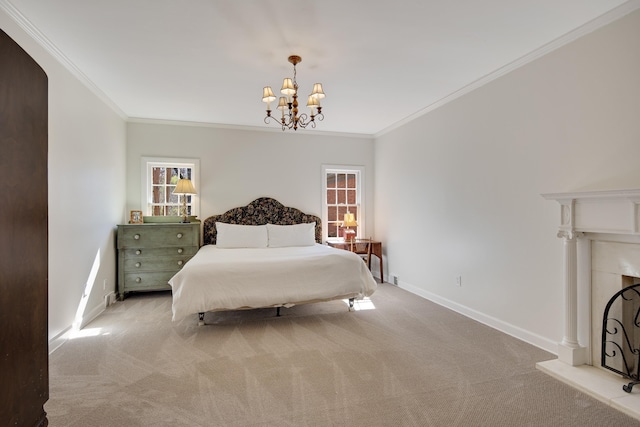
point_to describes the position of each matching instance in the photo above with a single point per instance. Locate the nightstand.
(376, 249)
(150, 254)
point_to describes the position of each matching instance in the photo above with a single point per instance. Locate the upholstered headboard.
(264, 210)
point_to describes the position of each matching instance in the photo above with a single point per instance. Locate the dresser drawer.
(155, 264)
(148, 281)
(179, 251)
(155, 235)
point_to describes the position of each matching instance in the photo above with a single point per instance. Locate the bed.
(264, 255)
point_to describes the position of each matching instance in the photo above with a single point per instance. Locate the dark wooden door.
(24, 372)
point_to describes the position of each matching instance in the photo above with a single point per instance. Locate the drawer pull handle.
(138, 264)
(180, 250)
(136, 236)
(138, 252)
(179, 235)
(138, 280)
(180, 262)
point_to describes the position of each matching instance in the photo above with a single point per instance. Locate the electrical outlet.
(458, 280)
(394, 279)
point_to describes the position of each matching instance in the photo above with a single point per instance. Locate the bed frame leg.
(351, 301)
(200, 319)
(277, 311)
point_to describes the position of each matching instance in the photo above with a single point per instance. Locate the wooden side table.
(376, 249)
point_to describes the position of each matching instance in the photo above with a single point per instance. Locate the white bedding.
(229, 279)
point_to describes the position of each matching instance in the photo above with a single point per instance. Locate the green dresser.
(150, 254)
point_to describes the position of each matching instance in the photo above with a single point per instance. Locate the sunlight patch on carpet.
(362, 304)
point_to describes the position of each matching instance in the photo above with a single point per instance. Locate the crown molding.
(607, 18)
(246, 128)
(53, 50)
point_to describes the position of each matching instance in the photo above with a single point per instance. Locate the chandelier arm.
(280, 122)
(302, 120)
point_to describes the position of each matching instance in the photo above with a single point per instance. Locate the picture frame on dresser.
(135, 217)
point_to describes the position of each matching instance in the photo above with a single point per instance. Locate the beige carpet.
(408, 362)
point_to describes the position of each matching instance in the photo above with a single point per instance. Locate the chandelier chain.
(295, 82)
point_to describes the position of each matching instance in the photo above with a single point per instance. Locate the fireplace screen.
(621, 335)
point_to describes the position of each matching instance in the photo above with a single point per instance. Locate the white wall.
(238, 166)
(466, 180)
(86, 189)
(457, 190)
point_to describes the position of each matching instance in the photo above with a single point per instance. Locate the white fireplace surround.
(586, 217)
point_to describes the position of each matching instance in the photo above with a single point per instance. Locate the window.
(342, 193)
(159, 179)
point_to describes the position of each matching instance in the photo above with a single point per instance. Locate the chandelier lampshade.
(317, 91)
(287, 87)
(267, 95)
(288, 104)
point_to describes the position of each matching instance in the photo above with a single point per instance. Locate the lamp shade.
(184, 186)
(317, 91)
(267, 95)
(349, 220)
(287, 87)
(282, 103)
(312, 102)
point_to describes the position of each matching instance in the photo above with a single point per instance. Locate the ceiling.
(379, 62)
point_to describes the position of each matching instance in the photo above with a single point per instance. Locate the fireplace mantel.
(613, 212)
(585, 217)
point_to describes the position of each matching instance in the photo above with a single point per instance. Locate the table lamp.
(349, 221)
(184, 187)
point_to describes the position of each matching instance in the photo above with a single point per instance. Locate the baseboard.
(507, 328)
(109, 299)
(58, 340)
(95, 312)
(63, 336)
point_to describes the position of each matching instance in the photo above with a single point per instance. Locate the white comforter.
(229, 279)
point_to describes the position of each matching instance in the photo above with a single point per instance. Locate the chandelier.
(288, 104)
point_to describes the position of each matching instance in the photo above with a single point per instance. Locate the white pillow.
(292, 235)
(241, 236)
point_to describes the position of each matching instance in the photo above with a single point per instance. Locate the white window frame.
(148, 163)
(360, 192)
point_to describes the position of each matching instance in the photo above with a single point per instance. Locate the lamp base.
(185, 218)
(349, 234)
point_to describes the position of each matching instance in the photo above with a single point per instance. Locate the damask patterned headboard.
(264, 210)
